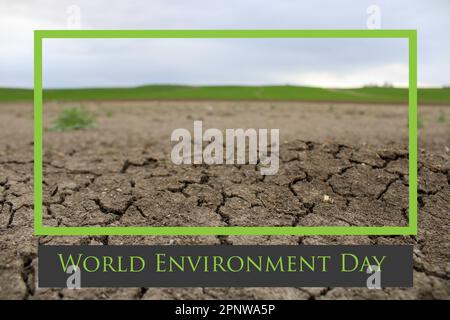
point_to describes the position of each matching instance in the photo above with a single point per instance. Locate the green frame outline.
(411, 229)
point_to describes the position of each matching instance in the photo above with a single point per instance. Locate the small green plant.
(73, 119)
(441, 118)
(331, 108)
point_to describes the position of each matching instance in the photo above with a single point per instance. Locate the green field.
(269, 93)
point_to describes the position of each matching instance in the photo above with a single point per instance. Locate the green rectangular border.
(411, 229)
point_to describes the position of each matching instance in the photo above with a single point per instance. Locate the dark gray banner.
(225, 266)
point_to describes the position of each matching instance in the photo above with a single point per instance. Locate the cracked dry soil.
(348, 166)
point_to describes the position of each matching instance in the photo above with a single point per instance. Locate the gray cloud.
(336, 63)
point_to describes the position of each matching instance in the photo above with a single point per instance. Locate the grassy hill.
(275, 93)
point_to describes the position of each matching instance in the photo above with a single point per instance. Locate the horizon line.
(226, 85)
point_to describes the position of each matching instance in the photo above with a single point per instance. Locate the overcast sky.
(331, 63)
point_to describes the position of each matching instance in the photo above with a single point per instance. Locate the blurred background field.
(234, 93)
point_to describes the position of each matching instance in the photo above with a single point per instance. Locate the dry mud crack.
(317, 184)
(121, 175)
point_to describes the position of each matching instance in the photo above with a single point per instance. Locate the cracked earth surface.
(343, 166)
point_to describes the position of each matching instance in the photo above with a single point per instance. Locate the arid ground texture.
(341, 164)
